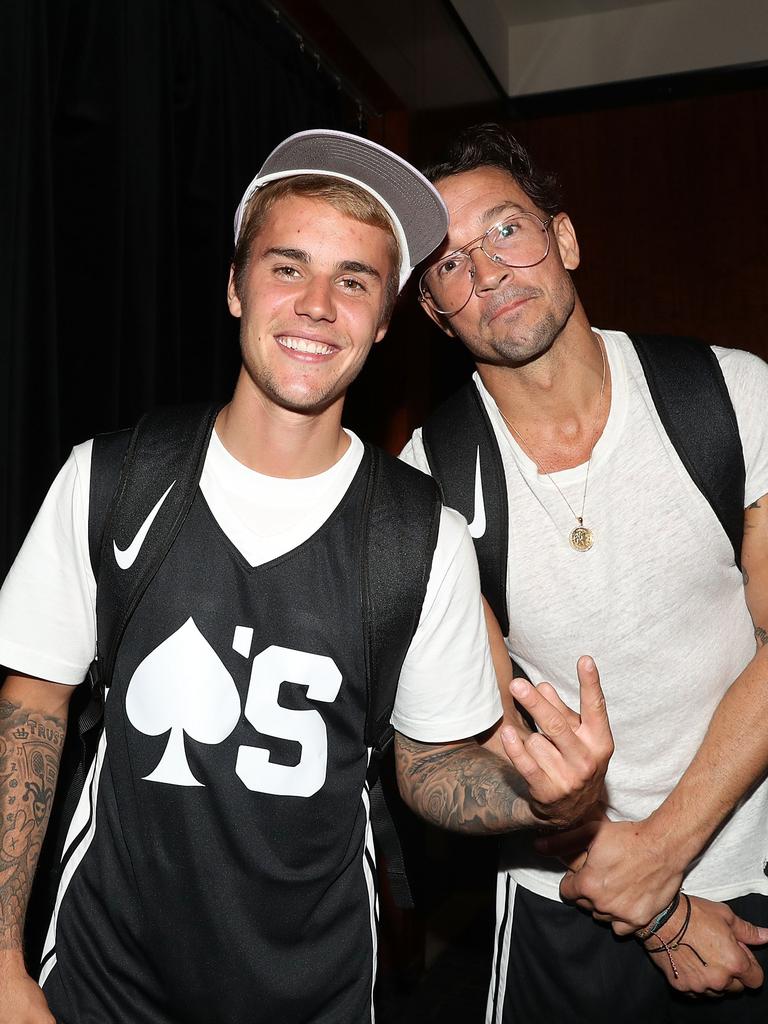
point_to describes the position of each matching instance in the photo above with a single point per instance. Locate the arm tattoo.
(464, 788)
(761, 636)
(30, 750)
(749, 521)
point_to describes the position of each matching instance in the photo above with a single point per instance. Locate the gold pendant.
(581, 538)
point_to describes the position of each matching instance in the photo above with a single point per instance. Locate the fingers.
(521, 759)
(548, 691)
(570, 891)
(592, 706)
(753, 977)
(747, 933)
(550, 722)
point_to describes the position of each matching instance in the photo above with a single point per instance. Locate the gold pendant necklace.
(581, 538)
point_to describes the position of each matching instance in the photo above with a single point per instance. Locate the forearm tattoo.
(30, 750)
(761, 636)
(464, 788)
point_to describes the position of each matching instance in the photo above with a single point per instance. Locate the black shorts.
(553, 964)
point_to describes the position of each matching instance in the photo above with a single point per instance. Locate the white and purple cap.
(415, 207)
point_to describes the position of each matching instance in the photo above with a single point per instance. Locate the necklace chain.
(581, 538)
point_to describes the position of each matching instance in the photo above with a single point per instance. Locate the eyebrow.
(494, 211)
(288, 254)
(345, 267)
(356, 267)
(491, 214)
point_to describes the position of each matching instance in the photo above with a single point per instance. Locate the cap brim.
(412, 201)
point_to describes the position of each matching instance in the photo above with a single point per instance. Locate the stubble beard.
(516, 347)
(311, 401)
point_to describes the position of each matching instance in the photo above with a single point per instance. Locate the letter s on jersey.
(323, 681)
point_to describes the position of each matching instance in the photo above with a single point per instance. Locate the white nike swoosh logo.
(477, 526)
(126, 558)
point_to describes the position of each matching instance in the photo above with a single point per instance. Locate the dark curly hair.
(491, 145)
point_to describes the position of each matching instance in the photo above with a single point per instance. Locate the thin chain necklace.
(581, 538)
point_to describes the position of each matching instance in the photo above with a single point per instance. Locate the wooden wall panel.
(669, 203)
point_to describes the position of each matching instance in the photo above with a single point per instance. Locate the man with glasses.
(608, 546)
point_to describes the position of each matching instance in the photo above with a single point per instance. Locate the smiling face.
(312, 302)
(513, 314)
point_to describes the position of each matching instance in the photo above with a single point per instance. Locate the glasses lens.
(519, 241)
(448, 284)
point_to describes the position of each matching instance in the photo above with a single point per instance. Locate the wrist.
(665, 835)
(12, 961)
(659, 923)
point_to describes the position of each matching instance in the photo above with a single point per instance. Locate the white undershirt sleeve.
(48, 600)
(448, 688)
(746, 376)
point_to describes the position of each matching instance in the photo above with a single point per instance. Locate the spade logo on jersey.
(182, 686)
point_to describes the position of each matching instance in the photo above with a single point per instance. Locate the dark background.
(128, 131)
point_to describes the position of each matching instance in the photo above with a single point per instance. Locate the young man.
(604, 520)
(222, 867)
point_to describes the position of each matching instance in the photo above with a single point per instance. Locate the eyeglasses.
(519, 241)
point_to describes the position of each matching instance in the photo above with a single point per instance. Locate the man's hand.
(617, 869)
(721, 940)
(564, 763)
(21, 999)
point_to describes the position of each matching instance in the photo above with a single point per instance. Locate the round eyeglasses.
(521, 240)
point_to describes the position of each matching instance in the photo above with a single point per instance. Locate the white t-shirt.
(447, 687)
(657, 601)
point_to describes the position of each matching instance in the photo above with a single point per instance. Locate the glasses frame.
(425, 295)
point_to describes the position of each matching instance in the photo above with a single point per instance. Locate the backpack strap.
(465, 460)
(127, 468)
(87, 706)
(157, 484)
(107, 457)
(692, 400)
(400, 522)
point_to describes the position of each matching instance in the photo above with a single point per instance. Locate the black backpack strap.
(692, 400)
(401, 521)
(465, 460)
(393, 826)
(127, 469)
(157, 485)
(87, 705)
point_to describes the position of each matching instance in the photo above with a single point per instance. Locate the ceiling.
(437, 54)
(523, 12)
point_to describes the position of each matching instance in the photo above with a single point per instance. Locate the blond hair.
(345, 196)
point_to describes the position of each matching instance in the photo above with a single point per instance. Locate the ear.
(442, 322)
(235, 308)
(380, 332)
(567, 243)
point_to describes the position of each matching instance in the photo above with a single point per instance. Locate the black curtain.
(129, 130)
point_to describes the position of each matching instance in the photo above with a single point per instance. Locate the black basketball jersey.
(227, 873)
